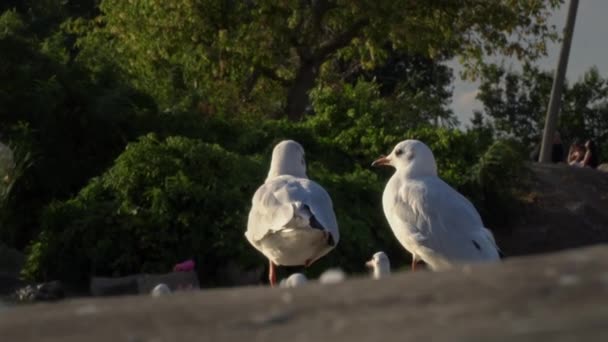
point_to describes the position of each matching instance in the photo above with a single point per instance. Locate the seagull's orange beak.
(383, 160)
(370, 264)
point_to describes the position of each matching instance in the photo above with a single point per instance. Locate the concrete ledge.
(555, 297)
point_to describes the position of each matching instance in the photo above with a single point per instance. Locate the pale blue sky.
(589, 48)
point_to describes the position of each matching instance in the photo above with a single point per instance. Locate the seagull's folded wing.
(438, 218)
(267, 213)
(274, 203)
(321, 206)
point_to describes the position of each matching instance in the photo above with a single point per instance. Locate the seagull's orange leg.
(272, 275)
(413, 263)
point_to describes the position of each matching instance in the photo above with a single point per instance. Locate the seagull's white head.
(412, 157)
(380, 265)
(287, 159)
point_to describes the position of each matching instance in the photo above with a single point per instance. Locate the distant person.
(590, 158)
(576, 154)
(557, 151)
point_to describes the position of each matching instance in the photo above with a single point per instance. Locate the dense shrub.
(165, 200)
(185, 191)
(355, 118)
(357, 198)
(161, 202)
(495, 180)
(76, 125)
(81, 80)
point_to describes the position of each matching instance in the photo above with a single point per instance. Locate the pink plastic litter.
(185, 266)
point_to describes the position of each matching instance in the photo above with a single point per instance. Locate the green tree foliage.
(517, 104)
(496, 180)
(481, 128)
(169, 199)
(15, 160)
(270, 54)
(419, 87)
(585, 113)
(79, 81)
(75, 125)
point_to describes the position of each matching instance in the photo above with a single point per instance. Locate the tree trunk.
(297, 98)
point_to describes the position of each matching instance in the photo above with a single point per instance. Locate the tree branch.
(272, 74)
(340, 40)
(305, 30)
(259, 71)
(319, 9)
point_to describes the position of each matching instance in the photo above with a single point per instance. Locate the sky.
(589, 48)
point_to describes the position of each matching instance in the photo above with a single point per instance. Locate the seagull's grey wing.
(268, 212)
(442, 220)
(321, 206)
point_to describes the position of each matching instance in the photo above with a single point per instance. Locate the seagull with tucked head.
(292, 220)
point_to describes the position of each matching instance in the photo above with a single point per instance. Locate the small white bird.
(380, 265)
(294, 280)
(429, 218)
(292, 221)
(160, 290)
(332, 276)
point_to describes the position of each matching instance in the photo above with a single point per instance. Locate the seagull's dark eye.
(398, 153)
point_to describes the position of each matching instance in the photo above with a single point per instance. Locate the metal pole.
(558, 82)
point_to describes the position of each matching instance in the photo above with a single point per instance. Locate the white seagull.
(332, 276)
(292, 221)
(380, 265)
(160, 290)
(294, 280)
(430, 219)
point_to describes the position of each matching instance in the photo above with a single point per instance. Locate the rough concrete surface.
(564, 207)
(553, 297)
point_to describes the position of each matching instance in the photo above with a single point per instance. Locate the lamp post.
(558, 82)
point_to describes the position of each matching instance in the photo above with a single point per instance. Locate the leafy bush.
(353, 117)
(495, 179)
(357, 198)
(178, 194)
(170, 197)
(76, 125)
(500, 166)
(80, 80)
(16, 161)
(163, 201)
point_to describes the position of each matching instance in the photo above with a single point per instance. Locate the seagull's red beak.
(383, 160)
